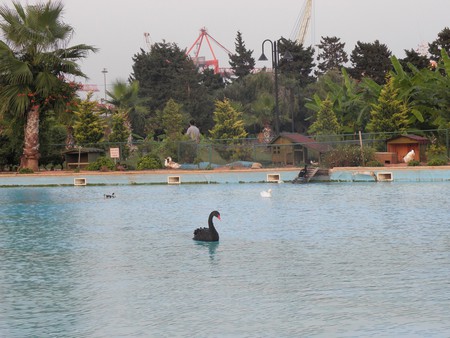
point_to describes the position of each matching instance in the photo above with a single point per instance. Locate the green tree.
(300, 67)
(242, 62)
(370, 60)
(34, 60)
(442, 42)
(172, 120)
(390, 114)
(326, 122)
(228, 122)
(89, 127)
(166, 72)
(119, 130)
(332, 55)
(415, 59)
(124, 97)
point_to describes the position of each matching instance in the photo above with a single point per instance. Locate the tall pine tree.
(332, 55)
(390, 114)
(242, 62)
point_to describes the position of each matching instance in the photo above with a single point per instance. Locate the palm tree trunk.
(30, 156)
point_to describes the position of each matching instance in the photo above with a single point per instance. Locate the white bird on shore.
(267, 193)
(168, 163)
(409, 156)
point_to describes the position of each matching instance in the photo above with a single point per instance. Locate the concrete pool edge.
(265, 175)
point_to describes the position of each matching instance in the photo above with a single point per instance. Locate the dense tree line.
(369, 90)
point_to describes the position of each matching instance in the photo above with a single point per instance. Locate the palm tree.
(34, 62)
(124, 97)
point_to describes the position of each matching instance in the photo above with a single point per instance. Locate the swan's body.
(209, 234)
(109, 196)
(267, 193)
(168, 163)
(409, 156)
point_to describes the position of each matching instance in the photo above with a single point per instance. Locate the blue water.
(315, 260)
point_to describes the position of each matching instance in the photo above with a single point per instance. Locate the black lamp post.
(275, 63)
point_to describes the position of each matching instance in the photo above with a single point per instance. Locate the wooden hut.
(403, 144)
(81, 157)
(294, 149)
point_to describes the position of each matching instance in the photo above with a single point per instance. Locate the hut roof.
(83, 151)
(304, 141)
(416, 138)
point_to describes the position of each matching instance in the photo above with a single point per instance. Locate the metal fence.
(271, 153)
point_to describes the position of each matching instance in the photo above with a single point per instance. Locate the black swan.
(209, 234)
(109, 196)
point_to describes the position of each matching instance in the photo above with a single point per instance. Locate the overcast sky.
(117, 27)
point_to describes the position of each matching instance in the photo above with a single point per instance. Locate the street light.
(104, 71)
(275, 62)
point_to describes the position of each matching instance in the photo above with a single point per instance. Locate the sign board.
(114, 152)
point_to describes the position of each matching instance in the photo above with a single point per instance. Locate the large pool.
(315, 260)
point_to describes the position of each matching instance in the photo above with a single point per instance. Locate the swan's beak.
(218, 216)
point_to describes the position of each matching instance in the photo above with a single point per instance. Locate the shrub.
(374, 163)
(149, 162)
(25, 171)
(102, 163)
(437, 162)
(413, 163)
(348, 156)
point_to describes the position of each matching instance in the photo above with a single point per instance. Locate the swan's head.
(269, 191)
(215, 213)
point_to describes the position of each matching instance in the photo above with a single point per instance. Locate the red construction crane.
(200, 61)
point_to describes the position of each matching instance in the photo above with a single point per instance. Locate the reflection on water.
(327, 260)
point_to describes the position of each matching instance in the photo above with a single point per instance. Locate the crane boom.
(303, 22)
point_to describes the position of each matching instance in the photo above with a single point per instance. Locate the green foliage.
(228, 122)
(119, 131)
(437, 162)
(390, 114)
(413, 163)
(374, 163)
(300, 68)
(172, 120)
(34, 61)
(326, 121)
(370, 60)
(167, 72)
(242, 62)
(89, 127)
(102, 163)
(441, 43)
(25, 171)
(332, 55)
(348, 155)
(436, 150)
(149, 162)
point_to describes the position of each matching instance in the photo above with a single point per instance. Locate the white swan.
(168, 163)
(409, 156)
(267, 193)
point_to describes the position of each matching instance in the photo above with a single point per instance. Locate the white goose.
(168, 163)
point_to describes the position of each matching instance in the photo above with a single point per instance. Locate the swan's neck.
(211, 224)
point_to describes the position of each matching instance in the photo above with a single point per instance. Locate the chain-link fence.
(284, 150)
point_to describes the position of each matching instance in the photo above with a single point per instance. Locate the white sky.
(117, 27)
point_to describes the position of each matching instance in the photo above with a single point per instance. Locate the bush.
(437, 162)
(149, 162)
(374, 163)
(102, 163)
(348, 156)
(413, 163)
(25, 171)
